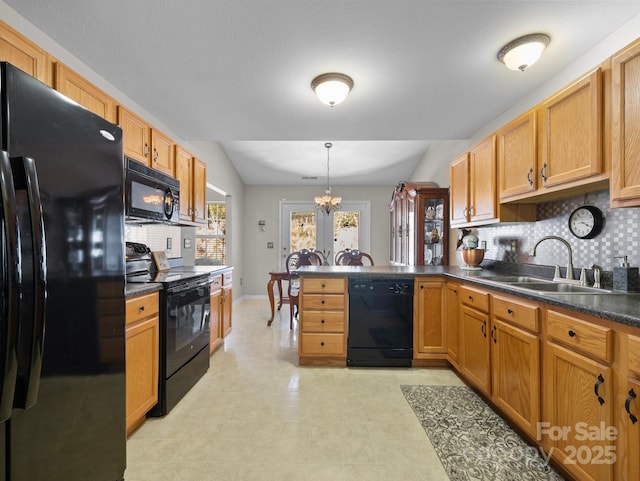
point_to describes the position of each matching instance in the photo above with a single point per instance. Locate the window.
(302, 227)
(211, 242)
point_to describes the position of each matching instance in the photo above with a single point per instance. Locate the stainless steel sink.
(516, 279)
(558, 288)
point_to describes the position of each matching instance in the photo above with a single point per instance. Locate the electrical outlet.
(269, 245)
(169, 242)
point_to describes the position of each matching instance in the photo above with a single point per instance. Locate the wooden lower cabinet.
(323, 320)
(226, 301)
(515, 360)
(142, 358)
(429, 319)
(452, 323)
(215, 315)
(475, 350)
(579, 392)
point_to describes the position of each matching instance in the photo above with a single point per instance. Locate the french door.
(303, 227)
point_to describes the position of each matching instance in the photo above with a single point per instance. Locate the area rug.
(471, 440)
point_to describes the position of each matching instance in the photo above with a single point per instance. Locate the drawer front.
(321, 302)
(216, 283)
(312, 344)
(323, 321)
(227, 278)
(517, 312)
(141, 307)
(474, 298)
(634, 354)
(331, 285)
(582, 336)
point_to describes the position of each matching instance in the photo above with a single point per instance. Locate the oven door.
(187, 323)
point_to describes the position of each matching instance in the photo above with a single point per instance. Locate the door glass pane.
(302, 228)
(345, 230)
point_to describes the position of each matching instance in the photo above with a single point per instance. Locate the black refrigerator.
(62, 328)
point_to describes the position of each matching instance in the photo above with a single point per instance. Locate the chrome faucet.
(569, 274)
(597, 274)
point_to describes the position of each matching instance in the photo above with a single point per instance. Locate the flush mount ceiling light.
(521, 53)
(327, 203)
(332, 88)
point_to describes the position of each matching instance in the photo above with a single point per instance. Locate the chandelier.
(327, 203)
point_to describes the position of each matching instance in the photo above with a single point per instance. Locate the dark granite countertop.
(132, 290)
(619, 307)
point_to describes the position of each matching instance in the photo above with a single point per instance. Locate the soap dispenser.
(625, 278)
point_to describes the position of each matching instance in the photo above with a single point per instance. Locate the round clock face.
(586, 222)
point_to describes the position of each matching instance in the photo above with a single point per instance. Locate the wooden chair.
(354, 258)
(340, 255)
(297, 259)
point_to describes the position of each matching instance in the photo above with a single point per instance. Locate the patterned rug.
(471, 440)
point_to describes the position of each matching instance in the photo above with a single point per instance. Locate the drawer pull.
(322, 301)
(596, 387)
(571, 333)
(509, 311)
(322, 343)
(141, 308)
(323, 286)
(627, 405)
(322, 321)
(471, 298)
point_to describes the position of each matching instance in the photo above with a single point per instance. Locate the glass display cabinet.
(419, 225)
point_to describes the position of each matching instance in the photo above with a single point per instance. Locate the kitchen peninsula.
(557, 358)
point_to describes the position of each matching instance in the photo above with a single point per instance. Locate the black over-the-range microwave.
(150, 194)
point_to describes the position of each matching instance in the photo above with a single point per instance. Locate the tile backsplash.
(156, 236)
(619, 236)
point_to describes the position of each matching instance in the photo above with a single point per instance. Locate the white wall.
(263, 203)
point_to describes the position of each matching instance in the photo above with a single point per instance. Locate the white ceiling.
(239, 71)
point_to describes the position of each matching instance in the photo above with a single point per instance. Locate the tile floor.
(256, 415)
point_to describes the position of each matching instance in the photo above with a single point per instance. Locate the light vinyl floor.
(256, 415)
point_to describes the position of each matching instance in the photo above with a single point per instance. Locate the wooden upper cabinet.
(77, 88)
(625, 145)
(482, 180)
(192, 174)
(459, 185)
(24, 54)
(199, 191)
(517, 153)
(184, 173)
(570, 125)
(162, 152)
(136, 135)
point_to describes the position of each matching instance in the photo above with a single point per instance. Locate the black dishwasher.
(380, 322)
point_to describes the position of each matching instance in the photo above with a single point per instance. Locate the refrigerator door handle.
(28, 382)
(10, 270)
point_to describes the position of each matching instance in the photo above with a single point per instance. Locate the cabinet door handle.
(484, 328)
(146, 150)
(530, 176)
(155, 155)
(493, 335)
(571, 333)
(596, 386)
(543, 172)
(627, 405)
(465, 211)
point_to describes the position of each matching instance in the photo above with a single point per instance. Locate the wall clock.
(586, 222)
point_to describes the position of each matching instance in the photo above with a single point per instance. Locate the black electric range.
(184, 323)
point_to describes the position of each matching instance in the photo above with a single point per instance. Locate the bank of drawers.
(323, 316)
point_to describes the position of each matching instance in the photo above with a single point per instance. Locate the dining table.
(276, 277)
